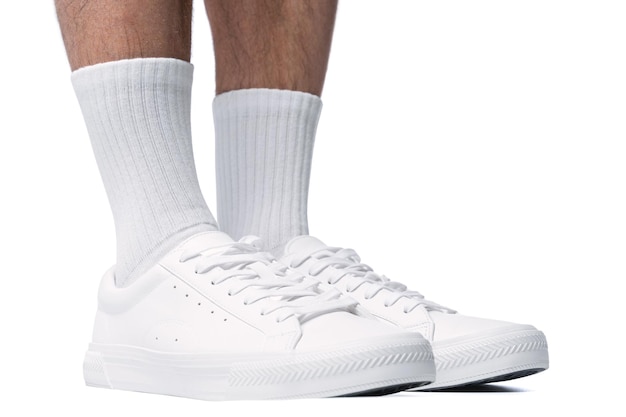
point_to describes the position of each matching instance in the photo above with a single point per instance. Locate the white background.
(474, 150)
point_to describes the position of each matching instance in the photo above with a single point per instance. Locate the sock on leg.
(137, 114)
(264, 145)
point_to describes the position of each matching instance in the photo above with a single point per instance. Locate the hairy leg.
(271, 59)
(133, 81)
(280, 44)
(96, 31)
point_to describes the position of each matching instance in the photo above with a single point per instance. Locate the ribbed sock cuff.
(264, 147)
(137, 113)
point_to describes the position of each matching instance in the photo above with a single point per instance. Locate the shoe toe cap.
(342, 328)
(450, 327)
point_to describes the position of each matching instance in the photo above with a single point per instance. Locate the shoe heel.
(94, 372)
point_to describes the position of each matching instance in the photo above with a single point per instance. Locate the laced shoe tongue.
(265, 281)
(207, 241)
(303, 244)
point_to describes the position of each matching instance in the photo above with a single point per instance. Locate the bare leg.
(99, 31)
(281, 44)
(133, 82)
(271, 60)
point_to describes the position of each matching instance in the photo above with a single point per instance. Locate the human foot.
(216, 319)
(467, 350)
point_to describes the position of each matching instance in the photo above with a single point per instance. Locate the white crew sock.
(264, 144)
(137, 113)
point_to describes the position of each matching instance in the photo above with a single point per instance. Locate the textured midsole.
(223, 376)
(484, 359)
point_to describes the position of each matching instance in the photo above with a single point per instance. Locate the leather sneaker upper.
(390, 301)
(212, 294)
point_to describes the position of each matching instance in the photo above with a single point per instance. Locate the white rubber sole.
(491, 359)
(380, 368)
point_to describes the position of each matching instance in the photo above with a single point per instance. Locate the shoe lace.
(339, 263)
(263, 279)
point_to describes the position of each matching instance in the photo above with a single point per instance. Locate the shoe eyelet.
(212, 282)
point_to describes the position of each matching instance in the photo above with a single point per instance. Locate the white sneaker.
(216, 319)
(467, 350)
